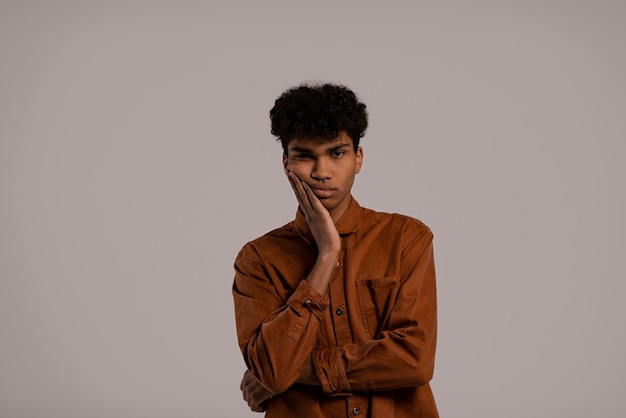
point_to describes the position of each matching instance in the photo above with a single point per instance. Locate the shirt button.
(355, 411)
(339, 311)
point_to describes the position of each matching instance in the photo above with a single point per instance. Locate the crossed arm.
(328, 243)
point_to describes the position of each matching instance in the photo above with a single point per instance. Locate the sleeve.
(275, 337)
(403, 354)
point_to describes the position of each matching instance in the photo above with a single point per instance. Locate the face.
(328, 166)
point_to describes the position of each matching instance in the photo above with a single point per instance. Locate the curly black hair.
(318, 110)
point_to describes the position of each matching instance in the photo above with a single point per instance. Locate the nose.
(321, 169)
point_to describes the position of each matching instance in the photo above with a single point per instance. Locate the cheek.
(296, 167)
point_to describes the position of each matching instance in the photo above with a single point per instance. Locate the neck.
(337, 213)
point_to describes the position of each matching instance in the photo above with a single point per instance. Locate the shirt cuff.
(331, 372)
(305, 297)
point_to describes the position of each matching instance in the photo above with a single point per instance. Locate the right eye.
(302, 156)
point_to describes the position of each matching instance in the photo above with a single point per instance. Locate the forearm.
(392, 362)
(322, 271)
(275, 349)
(318, 279)
(403, 353)
(276, 338)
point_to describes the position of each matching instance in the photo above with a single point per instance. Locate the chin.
(329, 205)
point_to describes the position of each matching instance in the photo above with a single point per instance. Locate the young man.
(336, 311)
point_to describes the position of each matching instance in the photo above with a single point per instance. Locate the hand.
(254, 393)
(317, 216)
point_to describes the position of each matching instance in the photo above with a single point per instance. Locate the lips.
(323, 192)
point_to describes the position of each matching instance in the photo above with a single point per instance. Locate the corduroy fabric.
(372, 337)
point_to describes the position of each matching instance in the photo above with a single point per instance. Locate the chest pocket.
(376, 300)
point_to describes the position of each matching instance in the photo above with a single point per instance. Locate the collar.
(346, 225)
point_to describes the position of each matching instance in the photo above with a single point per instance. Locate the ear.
(285, 164)
(359, 160)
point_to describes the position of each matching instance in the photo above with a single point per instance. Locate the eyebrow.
(310, 151)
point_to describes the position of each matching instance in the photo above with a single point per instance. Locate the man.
(336, 310)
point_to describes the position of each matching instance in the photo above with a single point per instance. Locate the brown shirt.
(371, 337)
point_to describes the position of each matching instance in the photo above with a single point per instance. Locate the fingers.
(255, 395)
(303, 192)
(293, 181)
(316, 204)
(247, 386)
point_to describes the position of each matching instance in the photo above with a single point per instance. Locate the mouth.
(323, 193)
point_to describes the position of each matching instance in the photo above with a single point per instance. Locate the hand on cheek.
(317, 216)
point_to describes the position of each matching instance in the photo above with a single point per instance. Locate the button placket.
(339, 311)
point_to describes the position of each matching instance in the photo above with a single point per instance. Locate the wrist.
(320, 275)
(328, 256)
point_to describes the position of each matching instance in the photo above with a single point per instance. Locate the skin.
(324, 164)
(254, 393)
(321, 173)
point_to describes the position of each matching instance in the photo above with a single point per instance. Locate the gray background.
(136, 159)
